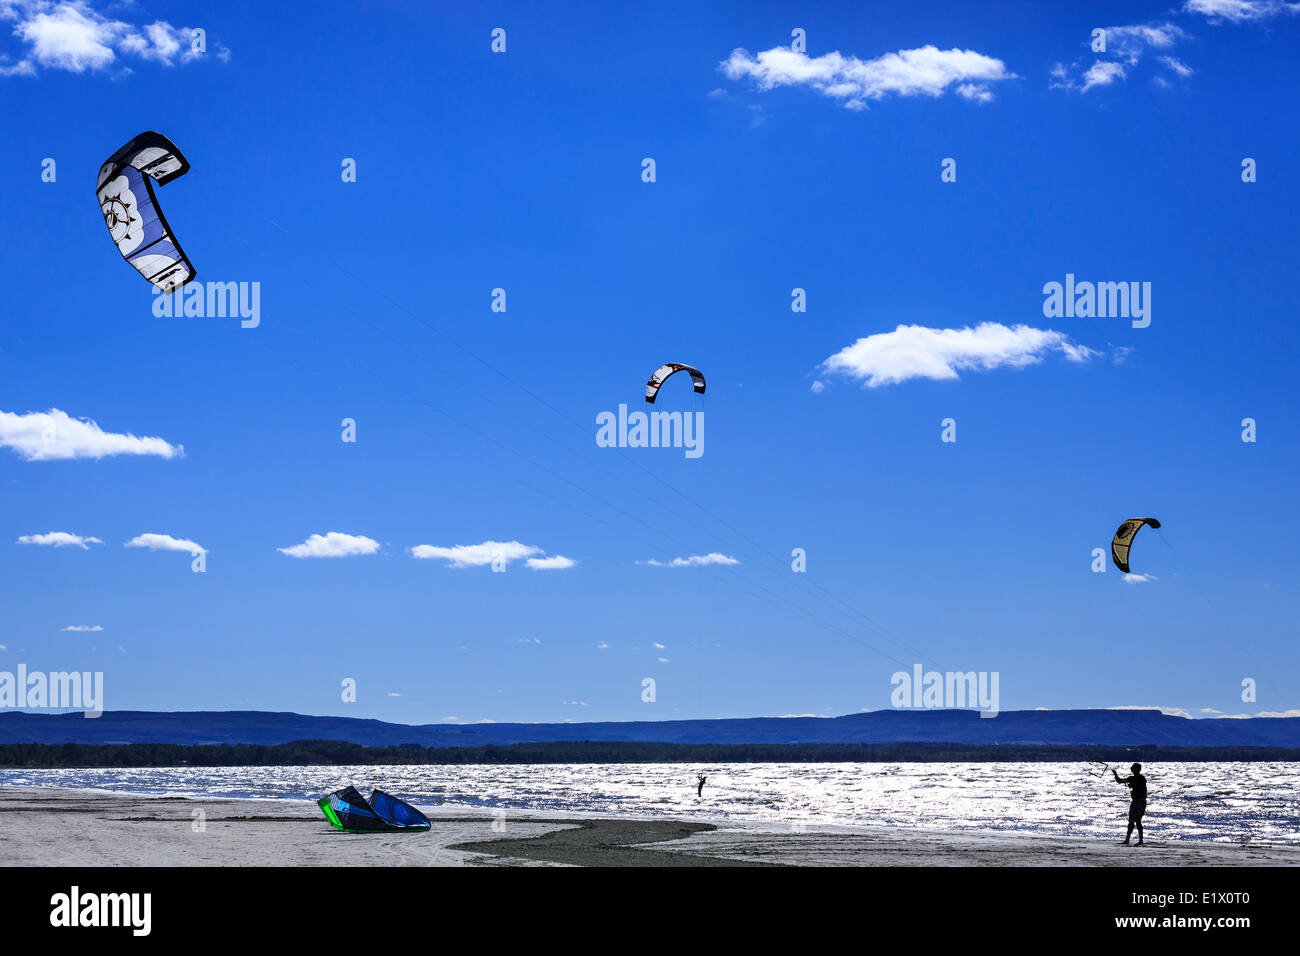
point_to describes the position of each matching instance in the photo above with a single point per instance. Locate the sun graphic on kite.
(117, 216)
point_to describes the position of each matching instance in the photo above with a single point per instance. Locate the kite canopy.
(1119, 547)
(131, 211)
(348, 810)
(663, 371)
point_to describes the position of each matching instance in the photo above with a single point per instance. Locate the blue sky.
(775, 170)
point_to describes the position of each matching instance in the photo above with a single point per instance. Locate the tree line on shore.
(301, 753)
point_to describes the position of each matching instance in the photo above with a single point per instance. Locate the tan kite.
(1124, 540)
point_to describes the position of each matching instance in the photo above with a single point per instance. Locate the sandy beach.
(55, 827)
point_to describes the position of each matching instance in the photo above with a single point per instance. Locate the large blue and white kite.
(132, 214)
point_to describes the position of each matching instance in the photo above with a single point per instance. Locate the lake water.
(1230, 802)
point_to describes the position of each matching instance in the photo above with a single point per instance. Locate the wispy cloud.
(554, 563)
(72, 36)
(925, 71)
(1132, 578)
(1239, 11)
(488, 552)
(475, 555)
(1125, 47)
(332, 545)
(1170, 711)
(1131, 42)
(81, 627)
(914, 351)
(694, 561)
(59, 539)
(165, 542)
(53, 435)
(1102, 73)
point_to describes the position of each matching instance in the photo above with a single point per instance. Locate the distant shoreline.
(304, 753)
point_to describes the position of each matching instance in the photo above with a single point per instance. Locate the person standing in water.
(699, 791)
(1138, 805)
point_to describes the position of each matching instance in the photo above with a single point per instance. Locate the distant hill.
(1128, 728)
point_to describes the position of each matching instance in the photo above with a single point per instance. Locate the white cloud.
(81, 627)
(694, 561)
(393, 693)
(1170, 711)
(477, 555)
(657, 646)
(663, 660)
(1279, 713)
(52, 435)
(973, 91)
(1131, 42)
(71, 35)
(1125, 45)
(68, 37)
(528, 640)
(165, 542)
(556, 562)
(1177, 65)
(1132, 578)
(1102, 73)
(818, 386)
(914, 351)
(1239, 11)
(602, 645)
(332, 545)
(59, 539)
(927, 71)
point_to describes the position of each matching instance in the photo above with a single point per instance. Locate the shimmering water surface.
(1230, 802)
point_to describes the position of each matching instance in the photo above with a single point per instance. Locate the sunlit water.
(1230, 802)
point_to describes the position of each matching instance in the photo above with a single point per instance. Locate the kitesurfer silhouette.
(1138, 805)
(699, 792)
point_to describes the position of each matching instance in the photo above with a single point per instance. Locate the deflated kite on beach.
(349, 811)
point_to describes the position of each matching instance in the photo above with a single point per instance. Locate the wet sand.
(52, 827)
